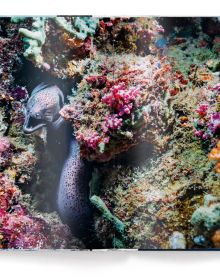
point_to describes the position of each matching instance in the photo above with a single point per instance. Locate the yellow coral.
(215, 155)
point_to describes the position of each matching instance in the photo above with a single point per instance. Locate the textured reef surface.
(139, 99)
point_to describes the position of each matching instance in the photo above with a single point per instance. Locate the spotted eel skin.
(73, 193)
(73, 189)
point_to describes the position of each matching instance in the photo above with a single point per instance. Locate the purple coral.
(19, 93)
(216, 87)
(214, 123)
(208, 123)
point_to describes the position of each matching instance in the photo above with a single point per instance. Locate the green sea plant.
(34, 40)
(79, 27)
(99, 204)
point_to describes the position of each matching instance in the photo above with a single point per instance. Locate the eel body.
(73, 203)
(73, 193)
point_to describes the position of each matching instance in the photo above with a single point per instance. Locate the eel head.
(43, 107)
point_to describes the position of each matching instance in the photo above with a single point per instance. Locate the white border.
(111, 7)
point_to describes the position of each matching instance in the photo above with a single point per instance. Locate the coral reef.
(122, 102)
(19, 228)
(158, 199)
(141, 101)
(126, 35)
(207, 216)
(22, 225)
(215, 155)
(56, 44)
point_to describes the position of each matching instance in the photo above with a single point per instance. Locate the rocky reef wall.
(142, 96)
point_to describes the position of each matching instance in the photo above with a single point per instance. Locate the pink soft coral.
(92, 139)
(202, 110)
(121, 98)
(112, 122)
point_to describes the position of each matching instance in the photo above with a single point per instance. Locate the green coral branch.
(34, 39)
(117, 243)
(80, 27)
(95, 184)
(86, 25)
(100, 205)
(39, 36)
(18, 19)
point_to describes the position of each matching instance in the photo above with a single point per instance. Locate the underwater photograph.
(109, 133)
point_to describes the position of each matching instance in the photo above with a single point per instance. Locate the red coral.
(20, 229)
(96, 81)
(202, 110)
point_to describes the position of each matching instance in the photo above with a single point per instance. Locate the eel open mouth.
(32, 124)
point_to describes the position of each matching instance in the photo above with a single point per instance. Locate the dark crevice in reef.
(189, 27)
(3, 27)
(31, 76)
(136, 156)
(52, 152)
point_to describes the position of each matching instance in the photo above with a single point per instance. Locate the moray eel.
(73, 194)
(43, 107)
(73, 204)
